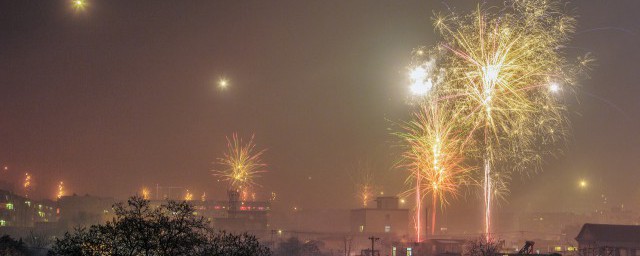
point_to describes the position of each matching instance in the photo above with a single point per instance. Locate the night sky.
(124, 94)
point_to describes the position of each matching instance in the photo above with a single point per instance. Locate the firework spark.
(242, 164)
(501, 69)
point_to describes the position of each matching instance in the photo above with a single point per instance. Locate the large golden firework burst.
(500, 69)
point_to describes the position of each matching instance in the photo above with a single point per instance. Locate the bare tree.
(482, 247)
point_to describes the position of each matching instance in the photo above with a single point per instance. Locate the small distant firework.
(27, 181)
(188, 196)
(364, 184)
(244, 194)
(241, 165)
(365, 193)
(27, 184)
(146, 194)
(61, 192)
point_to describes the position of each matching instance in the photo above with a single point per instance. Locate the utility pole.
(373, 242)
(273, 242)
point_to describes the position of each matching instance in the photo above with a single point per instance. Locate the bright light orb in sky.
(554, 87)
(79, 5)
(583, 183)
(420, 82)
(223, 83)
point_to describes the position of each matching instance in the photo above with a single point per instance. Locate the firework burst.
(364, 184)
(146, 193)
(188, 196)
(27, 184)
(434, 158)
(241, 164)
(502, 67)
(61, 192)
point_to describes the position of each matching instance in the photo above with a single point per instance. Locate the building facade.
(609, 240)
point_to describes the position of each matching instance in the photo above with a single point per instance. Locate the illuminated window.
(41, 214)
(409, 251)
(28, 203)
(571, 248)
(387, 229)
(361, 228)
(10, 206)
(3, 223)
(557, 248)
(393, 251)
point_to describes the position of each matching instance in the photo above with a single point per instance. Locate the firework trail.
(241, 165)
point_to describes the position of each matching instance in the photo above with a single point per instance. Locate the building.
(386, 219)
(243, 215)
(19, 211)
(609, 240)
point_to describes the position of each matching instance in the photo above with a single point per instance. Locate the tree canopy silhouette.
(169, 229)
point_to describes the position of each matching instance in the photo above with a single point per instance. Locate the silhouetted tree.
(482, 247)
(11, 247)
(170, 229)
